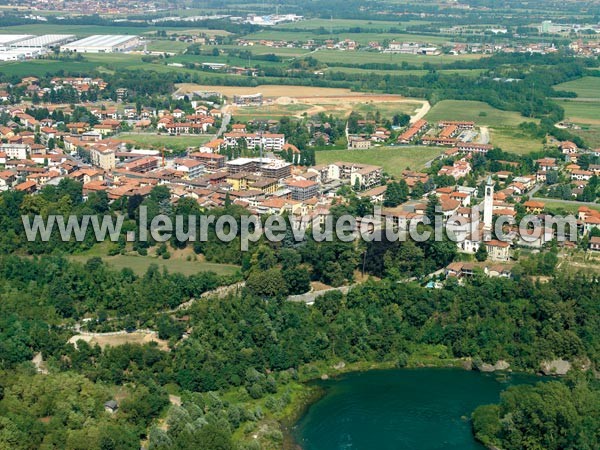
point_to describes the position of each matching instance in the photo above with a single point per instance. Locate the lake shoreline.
(318, 392)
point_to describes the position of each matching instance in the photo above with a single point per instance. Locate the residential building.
(103, 157)
(302, 189)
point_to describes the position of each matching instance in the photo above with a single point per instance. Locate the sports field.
(393, 159)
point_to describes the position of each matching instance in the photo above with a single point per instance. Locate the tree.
(481, 254)
(268, 284)
(297, 280)
(433, 208)
(401, 120)
(396, 193)
(552, 415)
(551, 177)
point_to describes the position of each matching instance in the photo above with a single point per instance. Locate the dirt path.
(484, 136)
(421, 113)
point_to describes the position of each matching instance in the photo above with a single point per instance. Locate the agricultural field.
(269, 90)
(223, 58)
(590, 134)
(298, 100)
(362, 38)
(78, 30)
(266, 50)
(39, 67)
(586, 87)
(208, 32)
(513, 140)
(176, 143)
(582, 112)
(479, 112)
(337, 106)
(343, 24)
(585, 114)
(268, 111)
(387, 109)
(101, 62)
(419, 72)
(558, 207)
(364, 57)
(167, 45)
(393, 159)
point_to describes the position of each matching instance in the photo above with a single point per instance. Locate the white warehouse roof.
(99, 42)
(44, 41)
(7, 39)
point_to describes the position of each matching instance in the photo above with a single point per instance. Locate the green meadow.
(479, 112)
(586, 87)
(177, 143)
(587, 112)
(393, 159)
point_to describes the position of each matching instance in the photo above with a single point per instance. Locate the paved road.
(224, 123)
(309, 297)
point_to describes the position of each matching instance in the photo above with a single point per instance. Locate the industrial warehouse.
(103, 44)
(15, 47)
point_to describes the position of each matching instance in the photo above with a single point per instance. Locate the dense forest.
(552, 415)
(256, 344)
(236, 362)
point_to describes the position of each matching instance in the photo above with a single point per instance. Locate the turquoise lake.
(416, 409)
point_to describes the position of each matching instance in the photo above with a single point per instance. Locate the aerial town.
(241, 225)
(254, 166)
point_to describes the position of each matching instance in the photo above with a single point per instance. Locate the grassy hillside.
(586, 87)
(587, 112)
(140, 264)
(479, 112)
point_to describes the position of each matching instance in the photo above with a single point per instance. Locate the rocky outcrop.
(485, 367)
(555, 367)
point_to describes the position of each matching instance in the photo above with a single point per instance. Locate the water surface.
(416, 409)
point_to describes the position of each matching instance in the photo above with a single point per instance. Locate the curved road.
(422, 112)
